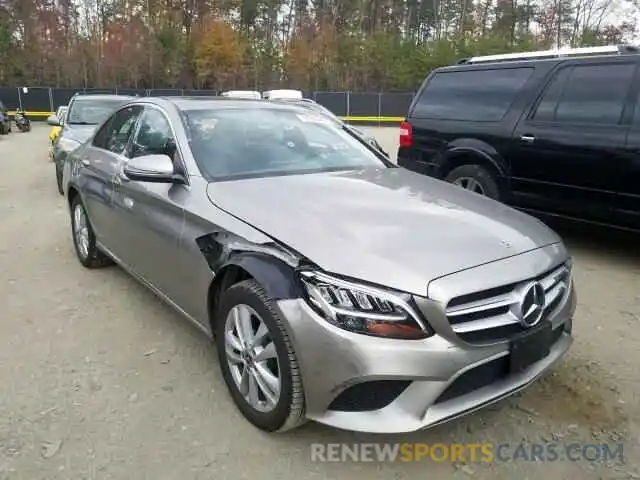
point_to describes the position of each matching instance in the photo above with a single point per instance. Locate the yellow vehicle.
(55, 131)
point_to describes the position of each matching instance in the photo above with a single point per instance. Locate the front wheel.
(257, 360)
(84, 239)
(59, 179)
(475, 178)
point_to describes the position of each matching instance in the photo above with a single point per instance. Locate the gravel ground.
(99, 380)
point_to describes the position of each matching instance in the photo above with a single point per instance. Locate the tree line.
(343, 45)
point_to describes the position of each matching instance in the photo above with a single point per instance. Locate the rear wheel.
(257, 359)
(475, 178)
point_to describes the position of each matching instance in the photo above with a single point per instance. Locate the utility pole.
(151, 43)
(559, 31)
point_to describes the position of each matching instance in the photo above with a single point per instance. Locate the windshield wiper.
(82, 123)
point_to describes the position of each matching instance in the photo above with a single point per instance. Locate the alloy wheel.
(252, 358)
(469, 183)
(81, 230)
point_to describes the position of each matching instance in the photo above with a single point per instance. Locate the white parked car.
(283, 94)
(243, 94)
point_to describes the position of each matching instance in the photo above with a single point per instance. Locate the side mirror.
(54, 121)
(152, 168)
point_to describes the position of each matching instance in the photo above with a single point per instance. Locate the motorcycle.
(22, 122)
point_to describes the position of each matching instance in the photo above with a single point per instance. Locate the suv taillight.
(406, 134)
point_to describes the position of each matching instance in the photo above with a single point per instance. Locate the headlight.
(67, 144)
(363, 309)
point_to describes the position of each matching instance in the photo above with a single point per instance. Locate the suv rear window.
(473, 95)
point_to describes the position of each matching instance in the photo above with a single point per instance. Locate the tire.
(3, 129)
(475, 178)
(287, 412)
(89, 255)
(59, 179)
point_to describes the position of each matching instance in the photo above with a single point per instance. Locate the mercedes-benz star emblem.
(532, 305)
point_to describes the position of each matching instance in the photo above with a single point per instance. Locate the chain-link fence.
(370, 108)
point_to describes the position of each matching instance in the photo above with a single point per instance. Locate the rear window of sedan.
(234, 143)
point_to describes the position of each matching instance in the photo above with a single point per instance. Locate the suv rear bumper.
(407, 159)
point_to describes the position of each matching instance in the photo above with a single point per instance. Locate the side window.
(473, 95)
(595, 94)
(100, 138)
(115, 133)
(154, 135)
(546, 110)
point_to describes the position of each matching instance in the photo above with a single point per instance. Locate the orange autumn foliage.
(218, 53)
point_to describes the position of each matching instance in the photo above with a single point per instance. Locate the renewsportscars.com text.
(467, 452)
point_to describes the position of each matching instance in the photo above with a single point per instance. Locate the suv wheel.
(257, 360)
(475, 178)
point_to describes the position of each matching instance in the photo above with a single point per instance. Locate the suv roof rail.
(558, 53)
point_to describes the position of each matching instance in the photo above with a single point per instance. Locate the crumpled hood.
(390, 226)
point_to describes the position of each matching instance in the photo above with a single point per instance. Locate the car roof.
(218, 102)
(530, 62)
(102, 96)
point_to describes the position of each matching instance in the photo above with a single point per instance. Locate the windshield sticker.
(313, 119)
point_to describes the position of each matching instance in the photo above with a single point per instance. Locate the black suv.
(5, 119)
(546, 132)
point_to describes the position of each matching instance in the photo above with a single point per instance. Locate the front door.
(101, 161)
(628, 200)
(151, 214)
(568, 150)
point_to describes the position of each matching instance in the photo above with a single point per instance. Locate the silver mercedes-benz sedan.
(337, 286)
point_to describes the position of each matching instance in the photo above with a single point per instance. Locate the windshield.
(246, 143)
(91, 111)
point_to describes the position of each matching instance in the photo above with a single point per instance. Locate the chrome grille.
(490, 315)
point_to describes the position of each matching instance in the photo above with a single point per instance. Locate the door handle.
(527, 138)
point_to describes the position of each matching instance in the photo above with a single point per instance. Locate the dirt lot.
(99, 380)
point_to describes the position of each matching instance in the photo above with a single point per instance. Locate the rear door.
(568, 149)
